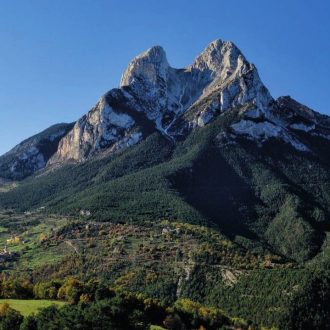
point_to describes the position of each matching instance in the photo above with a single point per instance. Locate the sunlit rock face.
(32, 154)
(176, 101)
(154, 97)
(165, 93)
(102, 127)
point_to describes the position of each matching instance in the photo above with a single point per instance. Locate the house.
(5, 255)
(85, 213)
(168, 230)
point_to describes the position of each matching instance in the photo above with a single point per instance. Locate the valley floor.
(183, 266)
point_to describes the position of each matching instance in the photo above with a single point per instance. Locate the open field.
(27, 307)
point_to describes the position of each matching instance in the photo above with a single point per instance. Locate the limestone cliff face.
(165, 93)
(153, 96)
(173, 100)
(32, 154)
(103, 127)
(231, 81)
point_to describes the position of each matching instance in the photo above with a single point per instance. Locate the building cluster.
(5, 255)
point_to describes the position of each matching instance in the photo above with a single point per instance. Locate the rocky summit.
(153, 96)
(172, 101)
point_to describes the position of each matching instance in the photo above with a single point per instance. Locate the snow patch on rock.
(117, 119)
(127, 141)
(255, 130)
(302, 127)
(262, 131)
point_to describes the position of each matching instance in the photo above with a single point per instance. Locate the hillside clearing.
(27, 307)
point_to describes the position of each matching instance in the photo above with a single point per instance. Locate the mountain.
(195, 159)
(32, 154)
(153, 96)
(203, 144)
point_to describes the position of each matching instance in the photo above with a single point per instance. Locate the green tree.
(29, 323)
(10, 319)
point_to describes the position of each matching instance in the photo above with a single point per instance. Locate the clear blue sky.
(57, 57)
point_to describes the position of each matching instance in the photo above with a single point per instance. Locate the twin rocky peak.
(153, 96)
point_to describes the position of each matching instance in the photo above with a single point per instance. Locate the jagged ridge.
(166, 97)
(32, 154)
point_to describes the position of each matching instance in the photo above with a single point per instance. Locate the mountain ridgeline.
(32, 154)
(206, 145)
